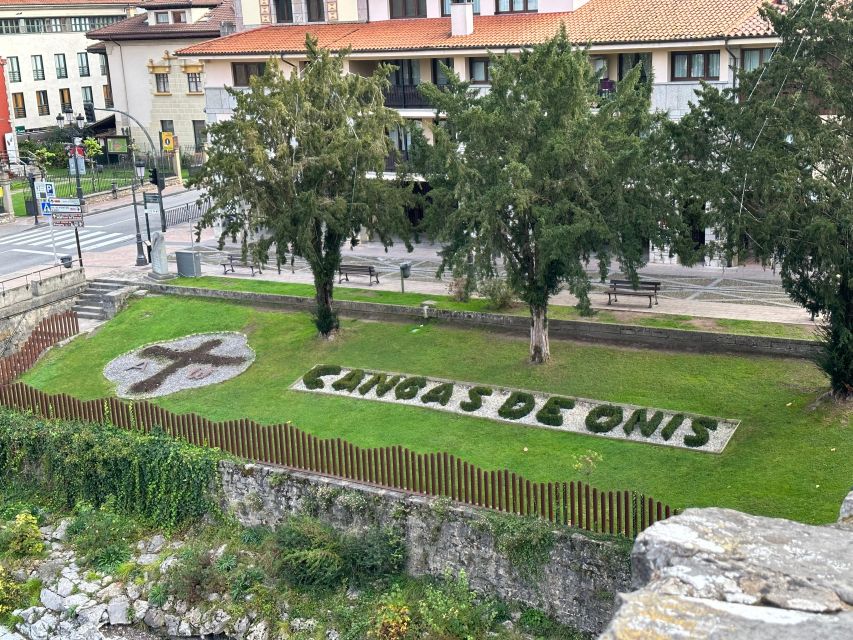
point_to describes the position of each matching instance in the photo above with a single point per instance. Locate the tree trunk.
(540, 348)
(325, 317)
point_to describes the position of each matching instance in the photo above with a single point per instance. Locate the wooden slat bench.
(644, 289)
(232, 260)
(357, 270)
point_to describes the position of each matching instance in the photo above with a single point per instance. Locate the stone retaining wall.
(620, 334)
(23, 307)
(577, 585)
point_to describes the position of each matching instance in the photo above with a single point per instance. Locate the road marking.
(112, 241)
(41, 253)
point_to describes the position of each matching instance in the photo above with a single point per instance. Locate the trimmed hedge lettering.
(518, 405)
(313, 379)
(350, 381)
(603, 418)
(410, 387)
(647, 425)
(700, 428)
(440, 394)
(475, 398)
(551, 412)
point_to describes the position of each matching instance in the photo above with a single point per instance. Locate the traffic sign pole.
(79, 252)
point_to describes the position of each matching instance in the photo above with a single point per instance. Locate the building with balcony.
(48, 68)
(147, 80)
(679, 44)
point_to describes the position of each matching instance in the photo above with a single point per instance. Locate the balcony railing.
(66, 107)
(38, 74)
(20, 112)
(44, 110)
(14, 76)
(108, 102)
(405, 97)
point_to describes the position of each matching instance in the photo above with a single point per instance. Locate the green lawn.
(663, 321)
(785, 459)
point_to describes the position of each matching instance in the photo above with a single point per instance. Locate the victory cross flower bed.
(189, 362)
(530, 408)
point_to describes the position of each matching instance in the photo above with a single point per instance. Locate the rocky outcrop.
(717, 573)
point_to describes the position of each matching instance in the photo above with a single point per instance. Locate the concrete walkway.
(758, 297)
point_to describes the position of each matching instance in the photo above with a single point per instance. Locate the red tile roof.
(137, 27)
(597, 22)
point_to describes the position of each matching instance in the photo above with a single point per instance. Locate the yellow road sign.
(167, 138)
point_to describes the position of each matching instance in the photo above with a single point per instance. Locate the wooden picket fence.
(47, 333)
(577, 504)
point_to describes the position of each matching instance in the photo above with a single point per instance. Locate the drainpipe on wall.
(734, 69)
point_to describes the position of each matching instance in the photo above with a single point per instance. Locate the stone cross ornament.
(185, 363)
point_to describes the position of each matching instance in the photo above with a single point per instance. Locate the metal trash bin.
(189, 263)
(405, 269)
(66, 261)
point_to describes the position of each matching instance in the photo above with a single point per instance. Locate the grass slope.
(555, 312)
(785, 460)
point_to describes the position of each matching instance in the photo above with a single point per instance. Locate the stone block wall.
(577, 584)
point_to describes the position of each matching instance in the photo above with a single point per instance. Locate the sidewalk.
(116, 264)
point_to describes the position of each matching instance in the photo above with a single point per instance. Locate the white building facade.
(48, 67)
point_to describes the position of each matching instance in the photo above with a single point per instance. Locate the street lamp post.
(31, 177)
(139, 170)
(60, 121)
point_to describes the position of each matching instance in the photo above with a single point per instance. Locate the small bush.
(451, 610)
(640, 419)
(497, 291)
(242, 582)
(538, 624)
(460, 288)
(440, 394)
(603, 418)
(374, 554)
(475, 398)
(11, 594)
(526, 541)
(22, 538)
(518, 405)
(101, 537)
(254, 536)
(194, 576)
(674, 422)
(700, 428)
(551, 412)
(314, 378)
(350, 381)
(158, 595)
(393, 618)
(410, 387)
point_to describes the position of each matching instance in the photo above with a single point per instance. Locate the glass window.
(283, 10)
(754, 58)
(316, 11)
(242, 71)
(516, 6)
(445, 7)
(161, 17)
(408, 9)
(65, 100)
(83, 64)
(38, 68)
(194, 82)
(41, 101)
(14, 69)
(103, 60)
(35, 25)
(19, 106)
(87, 94)
(161, 80)
(179, 17)
(198, 134)
(407, 73)
(701, 65)
(80, 24)
(10, 25)
(108, 96)
(54, 25)
(479, 70)
(438, 76)
(167, 125)
(61, 68)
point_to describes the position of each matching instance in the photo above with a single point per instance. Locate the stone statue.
(159, 264)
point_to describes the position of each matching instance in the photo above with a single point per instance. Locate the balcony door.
(316, 11)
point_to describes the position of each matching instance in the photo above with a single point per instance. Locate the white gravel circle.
(574, 420)
(194, 361)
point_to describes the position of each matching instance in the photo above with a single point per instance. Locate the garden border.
(625, 335)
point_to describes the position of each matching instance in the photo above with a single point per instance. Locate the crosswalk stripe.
(18, 237)
(113, 241)
(86, 243)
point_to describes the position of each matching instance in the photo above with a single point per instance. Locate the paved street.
(110, 225)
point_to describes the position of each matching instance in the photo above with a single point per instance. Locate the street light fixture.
(139, 171)
(60, 122)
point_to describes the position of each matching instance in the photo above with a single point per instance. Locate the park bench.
(357, 270)
(232, 260)
(644, 289)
